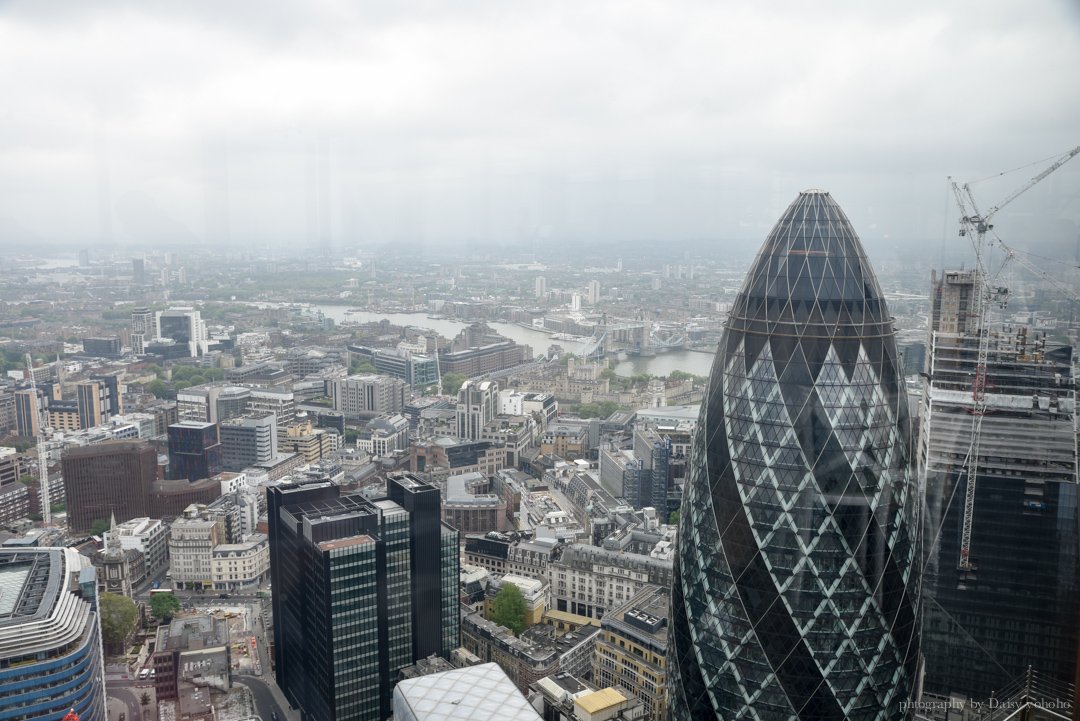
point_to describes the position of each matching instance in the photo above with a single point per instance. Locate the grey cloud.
(456, 121)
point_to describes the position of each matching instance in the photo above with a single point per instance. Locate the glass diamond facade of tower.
(796, 578)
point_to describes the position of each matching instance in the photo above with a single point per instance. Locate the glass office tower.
(796, 579)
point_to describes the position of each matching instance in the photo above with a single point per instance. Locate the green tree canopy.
(158, 388)
(164, 605)
(673, 518)
(118, 616)
(99, 526)
(508, 608)
(144, 700)
(360, 365)
(452, 382)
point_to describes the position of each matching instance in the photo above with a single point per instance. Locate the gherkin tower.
(796, 578)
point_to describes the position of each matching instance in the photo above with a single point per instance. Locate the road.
(268, 699)
(126, 694)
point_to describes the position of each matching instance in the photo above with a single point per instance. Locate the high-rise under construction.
(1013, 603)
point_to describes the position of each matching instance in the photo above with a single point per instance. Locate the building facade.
(194, 450)
(248, 440)
(367, 395)
(362, 589)
(631, 650)
(1014, 603)
(113, 478)
(51, 658)
(797, 563)
(590, 580)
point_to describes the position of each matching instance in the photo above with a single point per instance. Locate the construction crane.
(43, 463)
(976, 226)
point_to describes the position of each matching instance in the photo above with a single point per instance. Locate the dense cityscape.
(350, 487)
(608, 361)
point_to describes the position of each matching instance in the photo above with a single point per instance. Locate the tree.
(118, 616)
(158, 388)
(99, 526)
(508, 608)
(164, 605)
(452, 382)
(145, 698)
(359, 366)
(673, 518)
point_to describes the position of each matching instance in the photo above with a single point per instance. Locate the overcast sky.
(354, 124)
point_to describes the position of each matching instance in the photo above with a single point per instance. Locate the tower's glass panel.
(796, 574)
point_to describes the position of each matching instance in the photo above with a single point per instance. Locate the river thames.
(688, 361)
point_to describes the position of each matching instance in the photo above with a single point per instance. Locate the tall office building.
(593, 292)
(248, 440)
(138, 271)
(93, 403)
(368, 395)
(185, 326)
(541, 287)
(194, 450)
(113, 401)
(362, 589)
(110, 479)
(143, 329)
(433, 566)
(1014, 604)
(478, 404)
(29, 407)
(50, 636)
(796, 573)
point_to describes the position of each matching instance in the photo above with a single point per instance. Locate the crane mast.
(976, 225)
(42, 461)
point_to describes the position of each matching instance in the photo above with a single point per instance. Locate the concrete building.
(470, 508)
(185, 327)
(566, 441)
(119, 570)
(478, 404)
(248, 440)
(113, 478)
(564, 697)
(50, 636)
(192, 539)
(542, 650)
(29, 409)
(93, 403)
(632, 647)
(590, 581)
(367, 396)
(384, 435)
(148, 536)
(532, 590)
(240, 565)
(309, 442)
(192, 650)
(14, 495)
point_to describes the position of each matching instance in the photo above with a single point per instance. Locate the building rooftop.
(476, 693)
(600, 700)
(345, 542)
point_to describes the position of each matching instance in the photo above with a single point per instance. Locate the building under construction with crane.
(998, 455)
